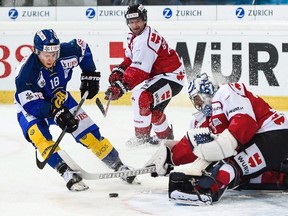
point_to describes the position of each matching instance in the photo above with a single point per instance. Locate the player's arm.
(28, 93)
(89, 77)
(131, 78)
(35, 104)
(117, 72)
(240, 113)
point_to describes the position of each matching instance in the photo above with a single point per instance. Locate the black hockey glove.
(116, 75)
(90, 83)
(63, 117)
(116, 91)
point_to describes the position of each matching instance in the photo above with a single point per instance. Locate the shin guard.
(103, 149)
(40, 141)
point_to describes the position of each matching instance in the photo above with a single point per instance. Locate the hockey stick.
(101, 107)
(41, 164)
(95, 176)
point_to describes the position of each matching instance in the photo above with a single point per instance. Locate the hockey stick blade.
(41, 164)
(95, 176)
(100, 106)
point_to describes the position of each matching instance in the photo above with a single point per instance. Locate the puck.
(113, 195)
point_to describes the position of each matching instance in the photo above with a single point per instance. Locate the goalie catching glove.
(90, 83)
(116, 91)
(162, 159)
(222, 146)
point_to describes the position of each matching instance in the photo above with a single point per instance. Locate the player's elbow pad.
(223, 146)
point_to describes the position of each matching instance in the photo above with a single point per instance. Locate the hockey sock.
(103, 149)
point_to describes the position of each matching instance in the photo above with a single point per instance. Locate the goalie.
(235, 137)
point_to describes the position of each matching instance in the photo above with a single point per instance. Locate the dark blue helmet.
(135, 11)
(46, 40)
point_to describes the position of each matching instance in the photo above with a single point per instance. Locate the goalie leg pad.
(182, 191)
(179, 181)
(196, 190)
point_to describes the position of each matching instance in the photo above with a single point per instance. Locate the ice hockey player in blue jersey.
(41, 100)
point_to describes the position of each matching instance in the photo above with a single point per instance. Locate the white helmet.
(205, 87)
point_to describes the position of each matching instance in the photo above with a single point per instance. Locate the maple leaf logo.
(180, 75)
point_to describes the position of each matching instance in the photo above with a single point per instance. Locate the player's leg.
(162, 90)
(149, 103)
(88, 134)
(202, 190)
(275, 179)
(141, 103)
(41, 138)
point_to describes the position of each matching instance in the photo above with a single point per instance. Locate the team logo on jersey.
(278, 119)
(41, 81)
(180, 75)
(60, 98)
(29, 96)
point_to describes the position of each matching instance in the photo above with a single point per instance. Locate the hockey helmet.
(46, 40)
(203, 88)
(136, 11)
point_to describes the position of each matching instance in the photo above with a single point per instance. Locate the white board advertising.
(253, 57)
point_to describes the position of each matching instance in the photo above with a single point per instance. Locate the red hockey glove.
(116, 91)
(116, 75)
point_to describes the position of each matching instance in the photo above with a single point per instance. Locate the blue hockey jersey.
(36, 85)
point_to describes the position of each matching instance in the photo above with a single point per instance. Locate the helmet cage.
(203, 88)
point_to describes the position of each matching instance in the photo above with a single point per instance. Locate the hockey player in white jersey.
(150, 62)
(236, 140)
(41, 100)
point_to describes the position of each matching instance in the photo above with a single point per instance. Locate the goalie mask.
(201, 91)
(46, 40)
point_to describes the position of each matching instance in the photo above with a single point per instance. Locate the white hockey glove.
(197, 167)
(162, 159)
(223, 146)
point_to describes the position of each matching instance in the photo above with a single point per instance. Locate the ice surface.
(26, 190)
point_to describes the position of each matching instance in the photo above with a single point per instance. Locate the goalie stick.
(95, 176)
(41, 164)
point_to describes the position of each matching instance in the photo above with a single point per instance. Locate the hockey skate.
(137, 141)
(73, 180)
(194, 199)
(148, 140)
(186, 190)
